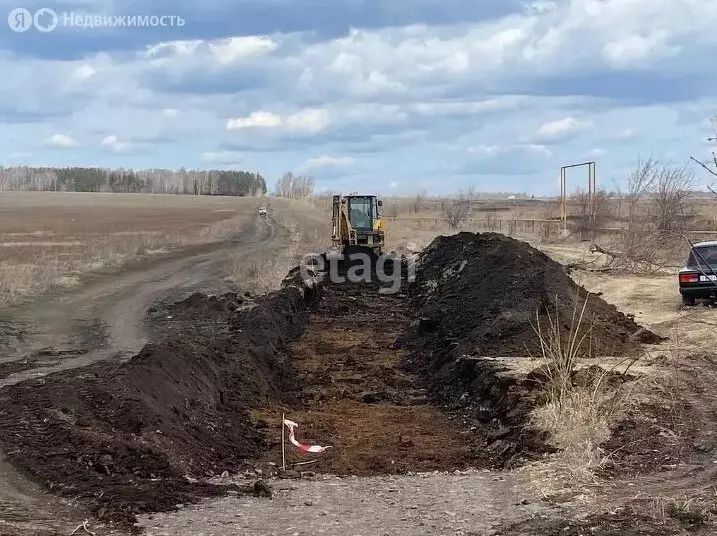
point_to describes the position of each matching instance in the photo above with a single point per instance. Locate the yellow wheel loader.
(357, 224)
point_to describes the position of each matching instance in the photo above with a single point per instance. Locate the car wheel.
(688, 300)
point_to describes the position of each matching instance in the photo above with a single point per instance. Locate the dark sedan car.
(698, 279)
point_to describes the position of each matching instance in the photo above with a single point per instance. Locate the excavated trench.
(356, 396)
(393, 382)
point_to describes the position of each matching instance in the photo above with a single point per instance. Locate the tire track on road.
(119, 303)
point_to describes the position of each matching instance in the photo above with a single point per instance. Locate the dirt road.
(104, 318)
(470, 503)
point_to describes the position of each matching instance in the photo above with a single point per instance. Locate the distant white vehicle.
(262, 211)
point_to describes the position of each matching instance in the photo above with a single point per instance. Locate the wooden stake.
(283, 446)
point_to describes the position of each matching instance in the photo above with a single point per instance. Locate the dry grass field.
(49, 240)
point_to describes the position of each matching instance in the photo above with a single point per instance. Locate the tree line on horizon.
(159, 181)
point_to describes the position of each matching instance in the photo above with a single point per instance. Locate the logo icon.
(20, 20)
(45, 20)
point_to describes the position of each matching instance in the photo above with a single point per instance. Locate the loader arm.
(343, 233)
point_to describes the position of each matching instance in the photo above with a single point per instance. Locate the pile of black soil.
(478, 297)
(486, 290)
(136, 437)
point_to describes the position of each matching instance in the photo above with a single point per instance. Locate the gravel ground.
(468, 503)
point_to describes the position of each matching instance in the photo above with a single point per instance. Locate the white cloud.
(228, 50)
(327, 161)
(83, 72)
(635, 50)
(259, 119)
(540, 7)
(112, 142)
(562, 126)
(466, 107)
(180, 48)
(218, 53)
(227, 158)
(61, 141)
(486, 151)
(536, 149)
(596, 152)
(622, 135)
(399, 94)
(311, 120)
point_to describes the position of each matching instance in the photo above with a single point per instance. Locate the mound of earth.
(487, 292)
(477, 298)
(136, 437)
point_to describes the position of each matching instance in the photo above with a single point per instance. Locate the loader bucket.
(360, 260)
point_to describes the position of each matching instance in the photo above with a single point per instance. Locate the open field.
(157, 385)
(50, 240)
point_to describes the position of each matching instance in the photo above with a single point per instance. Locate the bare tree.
(391, 210)
(418, 201)
(669, 208)
(459, 209)
(294, 187)
(657, 212)
(639, 184)
(591, 214)
(196, 182)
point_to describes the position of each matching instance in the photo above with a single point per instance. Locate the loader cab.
(363, 212)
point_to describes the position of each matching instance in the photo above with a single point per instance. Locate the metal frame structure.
(592, 188)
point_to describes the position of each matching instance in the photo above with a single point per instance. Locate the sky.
(386, 96)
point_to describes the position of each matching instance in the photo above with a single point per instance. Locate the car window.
(706, 254)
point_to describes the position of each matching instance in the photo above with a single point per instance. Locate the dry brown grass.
(579, 417)
(688, 510)
(49, 240)
(514, 217)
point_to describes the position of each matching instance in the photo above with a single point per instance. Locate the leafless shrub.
(491, 221)
(418, 201)
(658, 212)
(392, 208)
(591, 214)
(670, 210)
(458, 210)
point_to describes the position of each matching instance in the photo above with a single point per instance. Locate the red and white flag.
(314, 449)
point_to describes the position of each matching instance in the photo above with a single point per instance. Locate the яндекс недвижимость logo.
(45, 20)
